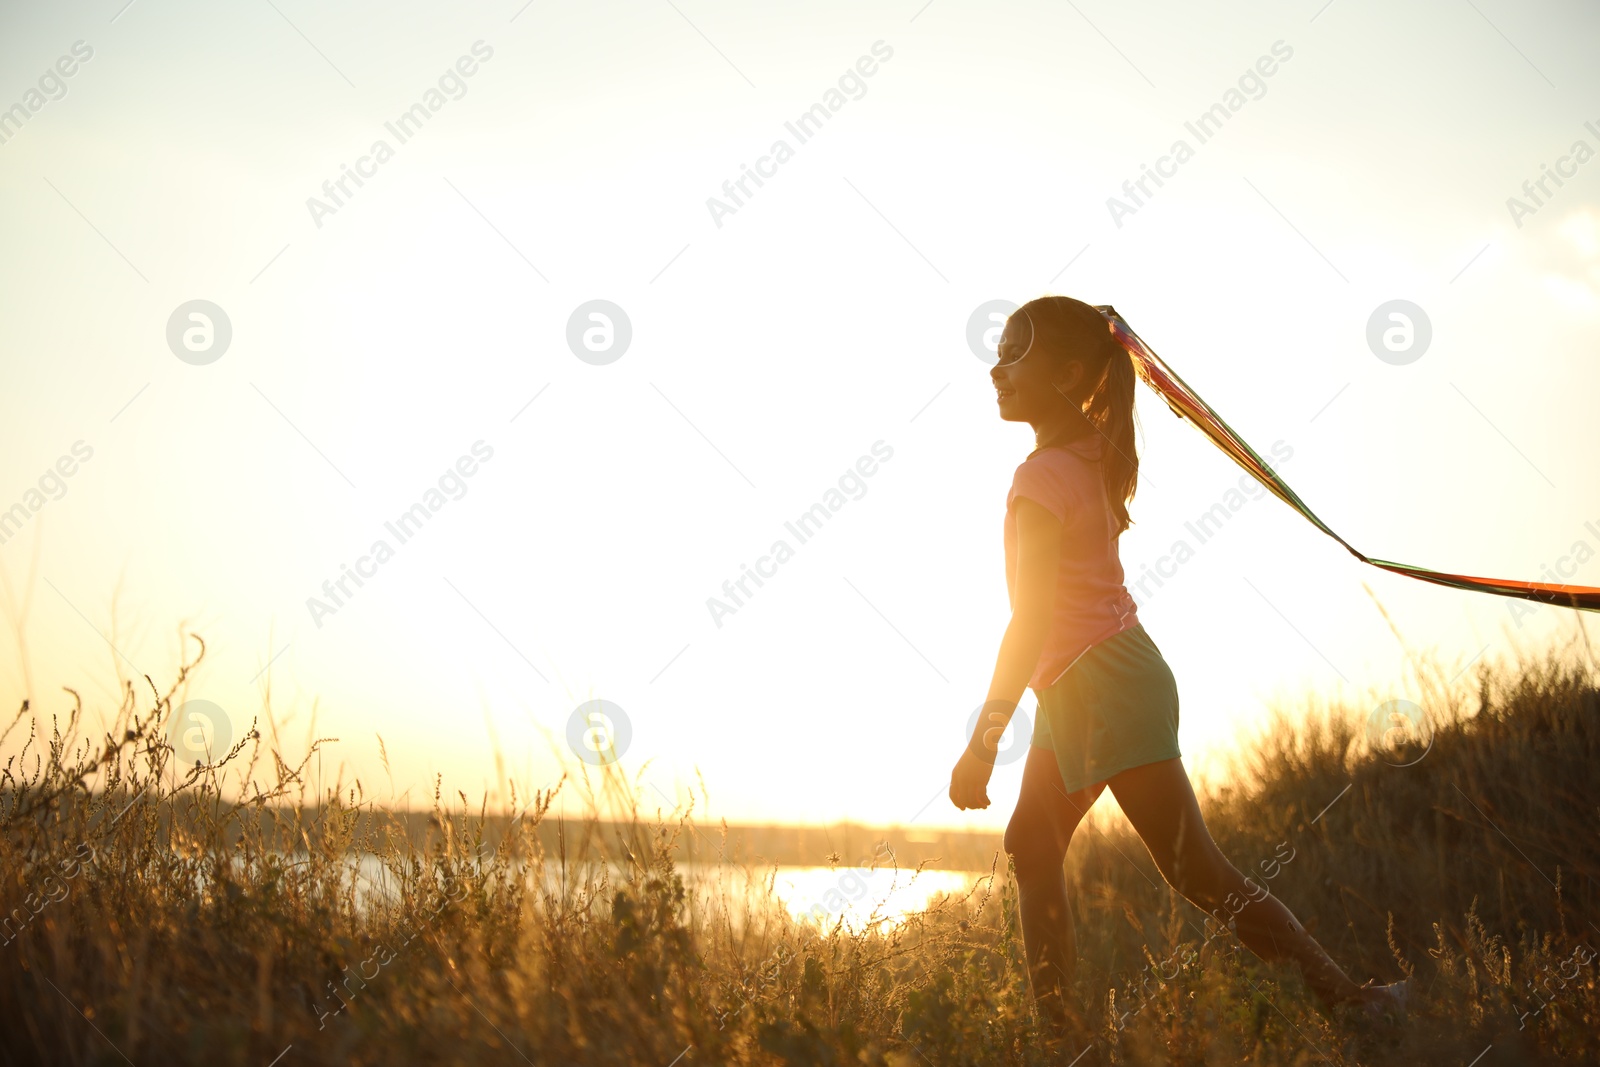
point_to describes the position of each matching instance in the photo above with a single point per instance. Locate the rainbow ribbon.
(1186, 404)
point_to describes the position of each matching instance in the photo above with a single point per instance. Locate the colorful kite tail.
(1187, 404)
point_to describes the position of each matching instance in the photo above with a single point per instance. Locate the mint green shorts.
(1116, 707)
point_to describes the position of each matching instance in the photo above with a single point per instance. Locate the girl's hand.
(969, 782)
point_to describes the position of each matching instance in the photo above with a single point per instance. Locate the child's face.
(1026, 377)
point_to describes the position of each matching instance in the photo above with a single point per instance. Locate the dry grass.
(149, 921)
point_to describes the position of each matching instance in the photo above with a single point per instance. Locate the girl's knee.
(1202, 876)
(1032, 845)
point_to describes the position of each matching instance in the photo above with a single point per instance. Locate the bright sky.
(379, 337)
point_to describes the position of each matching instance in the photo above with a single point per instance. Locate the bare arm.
(1038, 557)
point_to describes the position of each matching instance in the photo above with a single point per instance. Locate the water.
(820, 895)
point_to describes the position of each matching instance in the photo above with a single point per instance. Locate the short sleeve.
(1047, 482)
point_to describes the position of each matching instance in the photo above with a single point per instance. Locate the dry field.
(149, 920)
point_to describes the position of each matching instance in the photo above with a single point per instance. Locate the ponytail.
(1111, 411)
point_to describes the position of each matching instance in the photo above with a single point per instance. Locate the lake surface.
(820, 895)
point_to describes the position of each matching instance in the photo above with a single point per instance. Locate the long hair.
(1068, 330)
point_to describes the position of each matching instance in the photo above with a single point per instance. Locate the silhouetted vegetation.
(149, 920)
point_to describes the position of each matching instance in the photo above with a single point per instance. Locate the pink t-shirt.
(1091, 602)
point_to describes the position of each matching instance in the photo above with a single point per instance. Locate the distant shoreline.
(757, 845)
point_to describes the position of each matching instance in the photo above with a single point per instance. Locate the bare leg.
(1037, 838)
(1160, 803)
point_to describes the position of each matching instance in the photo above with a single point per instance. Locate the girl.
(1108, 704)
